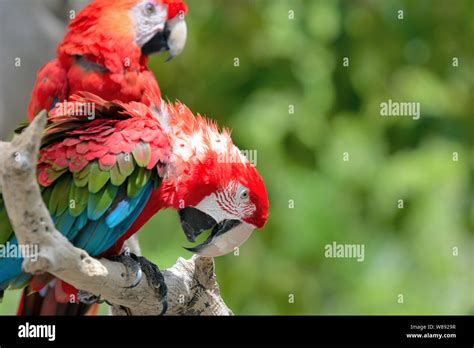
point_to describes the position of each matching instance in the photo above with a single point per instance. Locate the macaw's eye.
(150, 9)
(244, 195)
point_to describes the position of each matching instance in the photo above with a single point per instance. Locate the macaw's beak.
(225, 235)
(172, 39)
(194, 222)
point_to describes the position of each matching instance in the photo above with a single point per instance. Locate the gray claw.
(139, 265)
(155, 279)
(131, 265)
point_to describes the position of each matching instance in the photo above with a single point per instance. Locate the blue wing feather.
(10, 266)
(98, 236)
(64, 222)
(135, 209)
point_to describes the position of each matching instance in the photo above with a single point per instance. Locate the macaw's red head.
(212, 184)
(129, 28)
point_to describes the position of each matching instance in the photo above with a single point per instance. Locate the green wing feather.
(59, 200)
(99, 202)
(78, 197)
(137, 180)
(116, 177)
(81, 179)
(5, 226)
(126, 163)
(97, 177)
(142, 154)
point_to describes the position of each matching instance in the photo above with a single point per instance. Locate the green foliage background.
(337, 109)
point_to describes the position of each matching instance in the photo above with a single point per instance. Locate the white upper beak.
(178, 36)
(227, 242)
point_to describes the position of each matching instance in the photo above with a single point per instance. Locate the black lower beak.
(158, 43)
(194, 222)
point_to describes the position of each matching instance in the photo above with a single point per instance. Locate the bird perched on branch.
(102, 179)
(106, 49)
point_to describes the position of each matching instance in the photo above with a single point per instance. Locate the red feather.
(102, 34)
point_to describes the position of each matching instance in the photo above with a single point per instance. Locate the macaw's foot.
(139, 265)
(155, 279)
(132, 266)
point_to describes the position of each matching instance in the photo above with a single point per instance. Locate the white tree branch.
(192, 285)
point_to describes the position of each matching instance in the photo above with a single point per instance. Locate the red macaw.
(122, 167)
(106, 51)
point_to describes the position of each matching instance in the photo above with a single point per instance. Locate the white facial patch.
(147, 25)
(210, 206)
(227, 242)
(223, 205)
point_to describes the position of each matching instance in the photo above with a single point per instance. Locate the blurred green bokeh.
(298, 62)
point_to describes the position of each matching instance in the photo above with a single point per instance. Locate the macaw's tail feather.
(52, 299)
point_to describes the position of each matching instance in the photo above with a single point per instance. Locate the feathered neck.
(104, 35)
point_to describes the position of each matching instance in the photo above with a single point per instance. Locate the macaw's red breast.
(126, 86)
